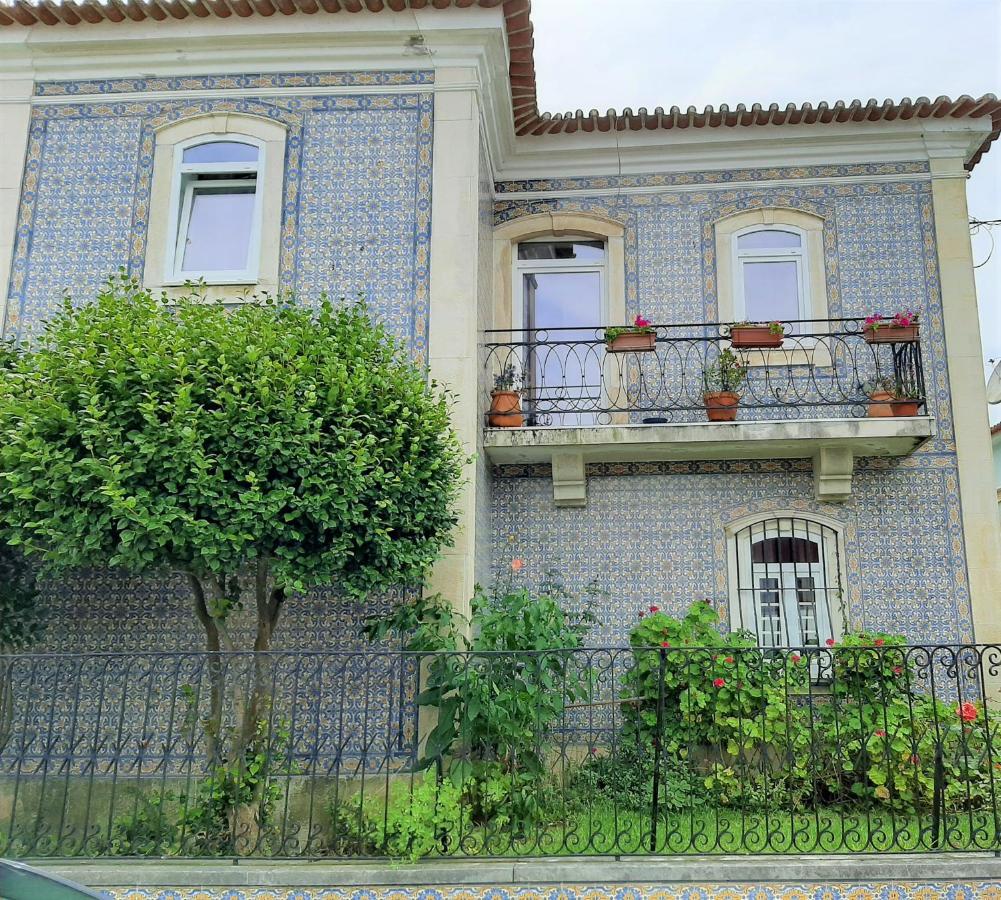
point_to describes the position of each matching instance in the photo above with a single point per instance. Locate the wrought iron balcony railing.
(820, 369)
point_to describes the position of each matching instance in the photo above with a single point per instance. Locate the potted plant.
(757, 334)
(900, 328)
(720, 381)
(882, 395)
(505, 399)
(907, 398)
(638, 337)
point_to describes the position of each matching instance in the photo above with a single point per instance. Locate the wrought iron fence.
(660, 750)
(821, 368)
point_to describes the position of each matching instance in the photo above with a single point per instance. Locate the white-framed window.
(560, 286)
(215, 216)
(787, 573)
(771, 281)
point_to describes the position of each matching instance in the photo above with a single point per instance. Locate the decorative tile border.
(889, 890)
(130, 215)
(726, 176)
(249, 82)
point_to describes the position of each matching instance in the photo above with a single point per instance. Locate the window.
(770, 267)
(217, 210)
(788, 582)
(562, 301)
(216, 204)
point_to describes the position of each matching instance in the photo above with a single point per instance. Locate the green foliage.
(497, 705)
(725, 373)
(148, 830)
(210, 817)
(142, 434)
(499, 696)
(408, 820)
(624, 779)
(22, 615)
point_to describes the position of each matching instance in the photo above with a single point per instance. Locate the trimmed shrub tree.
(262, 450)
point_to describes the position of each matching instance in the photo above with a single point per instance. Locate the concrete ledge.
(953, 868)
(785, 439)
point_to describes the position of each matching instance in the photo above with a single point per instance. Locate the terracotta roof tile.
(528, 120)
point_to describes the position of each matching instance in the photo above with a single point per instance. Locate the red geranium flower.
(517, 565)
(641, 322)
(880, 733)
(966, 711)
(642, 613)
(729, 660)
(718, 682)
(897, 670)
(654, 609)
(878, 642)
(665, 643)
(795, 657)
(829, 642)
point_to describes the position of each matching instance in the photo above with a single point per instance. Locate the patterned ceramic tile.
(655, 532)
(356, 219)
(900, 890)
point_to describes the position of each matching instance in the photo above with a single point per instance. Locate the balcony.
(811, 396)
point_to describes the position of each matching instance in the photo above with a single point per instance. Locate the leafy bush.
(149, 829)
(408, 821)
(499, 692)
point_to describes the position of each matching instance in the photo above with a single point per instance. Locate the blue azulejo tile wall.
(356, 219)
(356, 211)
(655, 533)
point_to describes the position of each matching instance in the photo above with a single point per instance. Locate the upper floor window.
(216, 210)
(788, 582)
(770, 283)
(561, 285)
(770, 267)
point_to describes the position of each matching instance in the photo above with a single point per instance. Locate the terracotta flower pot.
(891, 334)
(906, 407)
(881, 404)
(638, 342)
(505, 410)
(721, 406)
(755, 336)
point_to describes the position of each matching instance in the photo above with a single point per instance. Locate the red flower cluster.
(878, 642)
(665, 643)
(654, 609)
(641, 322)
(718, 682)
(966, 711)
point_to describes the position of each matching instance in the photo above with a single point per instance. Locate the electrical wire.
(988, 225)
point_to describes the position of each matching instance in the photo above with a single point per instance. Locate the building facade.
(395, 151)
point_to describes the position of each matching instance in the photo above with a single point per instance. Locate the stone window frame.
(811, 227)
(170, 140)
(558, 226)
(734, 530)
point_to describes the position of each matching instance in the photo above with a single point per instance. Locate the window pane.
(565, 372)
(770, 613)
(220, 152)
(785, 550)
(769, 240)
(806, 603)
(771, 291)
(579, 251)
(218, 238)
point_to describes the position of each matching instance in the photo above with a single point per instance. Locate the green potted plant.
(720, 381)
(907, 399)
(638, 337)
(505, 399)
(882, 394)
(900, 328)
(757, 334)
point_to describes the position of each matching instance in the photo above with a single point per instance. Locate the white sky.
(616, 53)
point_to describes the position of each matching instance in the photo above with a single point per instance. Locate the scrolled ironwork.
(846, 748)
(823, 369)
